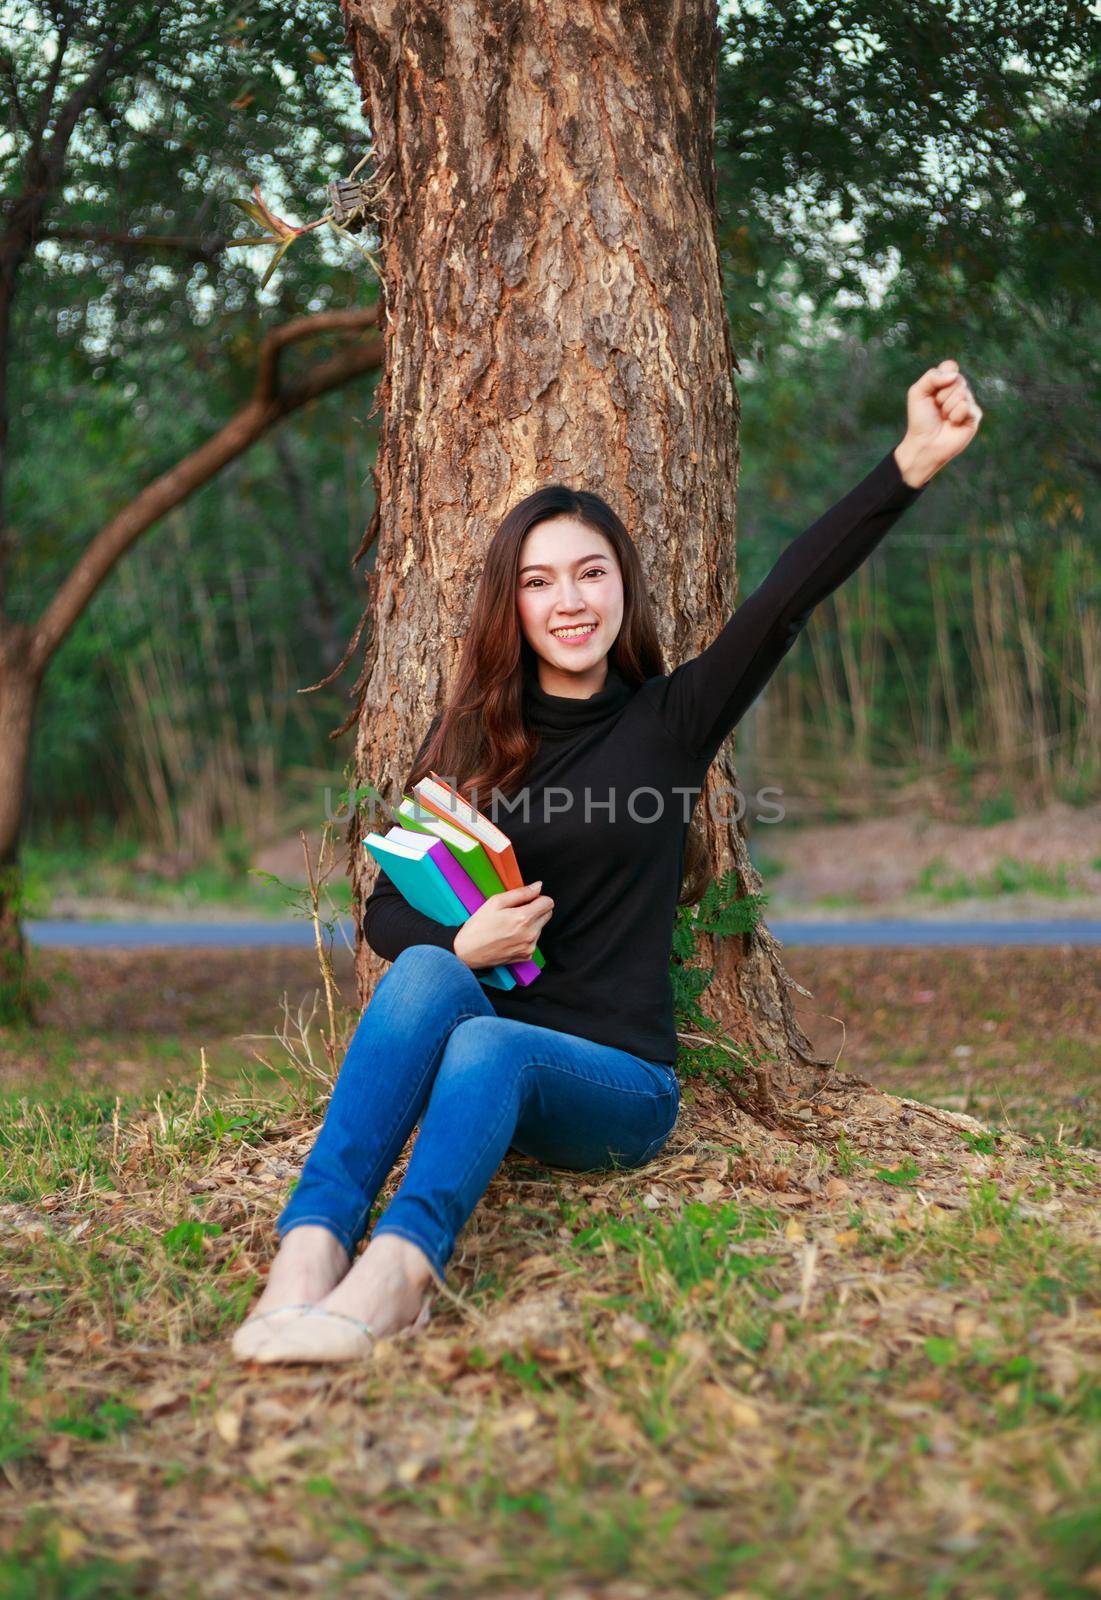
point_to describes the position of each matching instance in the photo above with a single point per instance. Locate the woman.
(563, 713)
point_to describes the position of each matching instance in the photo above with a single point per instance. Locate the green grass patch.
(940, 882)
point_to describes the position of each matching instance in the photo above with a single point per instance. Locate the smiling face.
(569, 577)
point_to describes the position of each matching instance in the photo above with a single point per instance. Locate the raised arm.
(702, 700)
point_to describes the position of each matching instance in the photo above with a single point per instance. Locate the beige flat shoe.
(317, 1335)
(256, 1330)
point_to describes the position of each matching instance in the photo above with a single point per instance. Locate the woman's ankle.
(309, 1263)
(314, 1240)
(393, 1249)
(387, 1288)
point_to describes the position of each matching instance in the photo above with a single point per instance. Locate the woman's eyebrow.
(540, 567)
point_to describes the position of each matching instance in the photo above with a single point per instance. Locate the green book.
(466, 849)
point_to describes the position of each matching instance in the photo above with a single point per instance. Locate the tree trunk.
(19, 682)
(554, 310)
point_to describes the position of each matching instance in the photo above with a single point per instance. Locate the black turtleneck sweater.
(636, 756)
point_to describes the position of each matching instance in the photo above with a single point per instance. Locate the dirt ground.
(877, 863)
(839, 857)
(1045, 864)
(879, 860)
(850, 1359)
(1010, 1035)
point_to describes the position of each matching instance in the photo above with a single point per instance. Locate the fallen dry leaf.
(227, 1425)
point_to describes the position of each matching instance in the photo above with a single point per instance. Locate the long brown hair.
(480, 739)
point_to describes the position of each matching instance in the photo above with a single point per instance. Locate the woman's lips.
(577, 638)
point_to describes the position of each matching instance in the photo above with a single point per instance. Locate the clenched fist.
(942, 418)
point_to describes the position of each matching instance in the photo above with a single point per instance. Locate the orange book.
(446, 802)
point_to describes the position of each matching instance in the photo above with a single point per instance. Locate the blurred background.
(892, 189)
(872, 219)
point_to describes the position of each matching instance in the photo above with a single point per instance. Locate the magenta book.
(455, 873)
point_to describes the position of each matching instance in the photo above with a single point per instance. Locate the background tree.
(894, 183)
(126, 126)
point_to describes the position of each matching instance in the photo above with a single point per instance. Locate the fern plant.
(720, 913)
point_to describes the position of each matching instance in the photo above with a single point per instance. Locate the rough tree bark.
(554, 310)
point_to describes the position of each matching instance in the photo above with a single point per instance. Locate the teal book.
(410, 866)
(463, 846)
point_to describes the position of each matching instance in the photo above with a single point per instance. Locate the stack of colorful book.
(446, 858)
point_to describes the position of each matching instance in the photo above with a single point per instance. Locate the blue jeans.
(429, 1048)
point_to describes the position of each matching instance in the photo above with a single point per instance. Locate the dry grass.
(1010, 1035)
(880, 863)
(858, 1359)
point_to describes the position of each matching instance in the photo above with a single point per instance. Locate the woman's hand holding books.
(504, 928)
(456, 866)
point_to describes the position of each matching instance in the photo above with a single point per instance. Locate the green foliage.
(45, 1574)
(1000, 807)
(1080, 787)
(720, 913)
(904, 1176)
(948, 155)
(702, 1244)
(1005, 877)
(981, 1143)
(848, 1159)
(102, 1422)
(768, 866)
(185, 1242)
(888, 186)
(867, 231)
(127, 357)
(941, 1351)
(20, 989)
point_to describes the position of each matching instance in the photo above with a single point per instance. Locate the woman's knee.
(428, 956)
(478, 1049)
(425, 981)
(430, 972)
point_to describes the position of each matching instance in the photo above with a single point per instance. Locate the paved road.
(251, 935)
(902, 932)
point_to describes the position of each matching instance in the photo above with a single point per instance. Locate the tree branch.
(46, 103)
(299, 328)
(46, 180)
(43, 172)
(171, 243)
(7, 67)
(269, 404)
